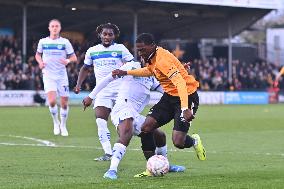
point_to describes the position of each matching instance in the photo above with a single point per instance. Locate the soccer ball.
(158, 165)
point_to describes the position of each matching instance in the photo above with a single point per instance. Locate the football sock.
(189, 141)
(104, 135)
(118, 152)
(64, 115)
(162, 151)
(54, 114)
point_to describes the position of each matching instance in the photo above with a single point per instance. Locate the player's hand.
(275, 84)
(187, 115)
(41, 65)
(118, 73)
(64, 61)
(87, 101)
(76, 90)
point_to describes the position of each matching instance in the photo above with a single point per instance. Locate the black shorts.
(168, 108)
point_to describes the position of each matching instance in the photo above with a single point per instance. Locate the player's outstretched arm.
(87, 101)
(102, 84)
(118, 73)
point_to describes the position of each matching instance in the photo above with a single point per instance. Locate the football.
(158, 165)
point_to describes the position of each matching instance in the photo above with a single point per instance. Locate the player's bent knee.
(64, 106)
(52, 103)
(147, 128)
(102, 112)
(178, 138)
(179, 146)
(149, 125)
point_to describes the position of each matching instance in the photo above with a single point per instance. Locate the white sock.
(104, 135)
(54, 114)
(162, 151)
(64, 116)
(118, 153)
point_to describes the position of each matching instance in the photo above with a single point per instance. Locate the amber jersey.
(171, 74)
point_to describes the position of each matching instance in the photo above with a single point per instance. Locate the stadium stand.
(15, 75)
(212, 73)
(248, 76)
(194, 20)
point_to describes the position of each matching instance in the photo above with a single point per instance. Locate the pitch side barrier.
(222, 97)
(26, 98)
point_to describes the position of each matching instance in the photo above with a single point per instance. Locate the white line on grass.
(46, 143)
(43, 142)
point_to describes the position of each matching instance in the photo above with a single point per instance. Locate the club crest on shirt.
(114, 54)
(59, 46)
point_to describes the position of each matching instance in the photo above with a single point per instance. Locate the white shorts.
(124, 111)
(106, 98)
(61, 85)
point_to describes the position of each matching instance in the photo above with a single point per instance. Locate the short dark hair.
(145, 38)
(114, 27)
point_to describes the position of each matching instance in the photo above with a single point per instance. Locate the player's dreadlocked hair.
(145, 38)
(114, 27)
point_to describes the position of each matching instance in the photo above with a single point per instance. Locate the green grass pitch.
(245, 149)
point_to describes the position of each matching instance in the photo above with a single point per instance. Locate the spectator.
(212, 73)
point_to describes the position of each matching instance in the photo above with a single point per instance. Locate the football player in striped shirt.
(53, 54)
(104, 58)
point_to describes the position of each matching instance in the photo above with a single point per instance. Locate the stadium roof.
(263, 4)
(163, 19)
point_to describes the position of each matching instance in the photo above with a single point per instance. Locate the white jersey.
(53, 50)
(135, 90)
(106, 59)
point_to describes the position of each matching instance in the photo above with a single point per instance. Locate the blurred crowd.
(212, 73)
(16, 75)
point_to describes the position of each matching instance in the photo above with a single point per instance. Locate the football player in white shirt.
(133, 96)
(53, 54)
(105, 58)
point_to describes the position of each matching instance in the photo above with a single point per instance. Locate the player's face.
(107, 37)
(54, 28)
(144, 51)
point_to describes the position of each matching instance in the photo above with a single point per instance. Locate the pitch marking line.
(46, 143)
(40, 141)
